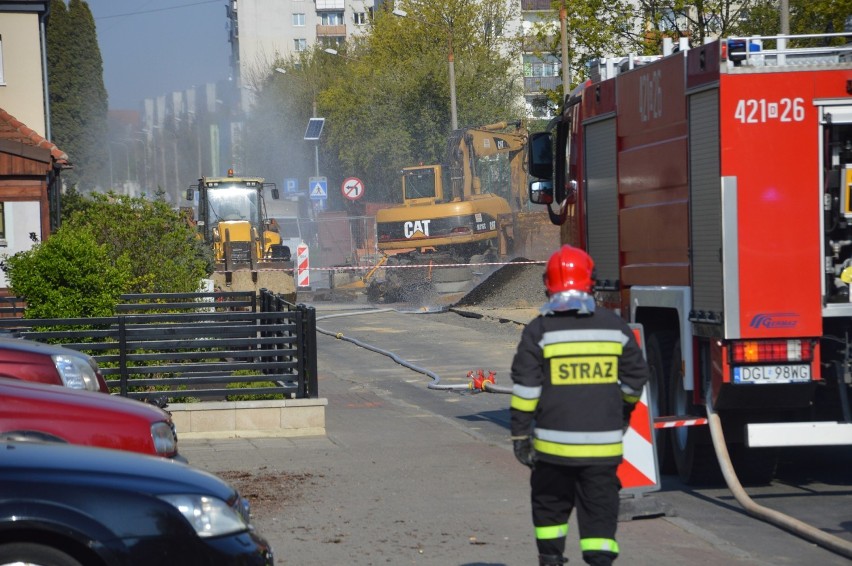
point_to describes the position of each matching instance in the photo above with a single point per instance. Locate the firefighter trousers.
(594, 491)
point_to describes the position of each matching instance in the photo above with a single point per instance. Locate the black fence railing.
(173, 347)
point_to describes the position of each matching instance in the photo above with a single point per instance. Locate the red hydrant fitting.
(479, 379)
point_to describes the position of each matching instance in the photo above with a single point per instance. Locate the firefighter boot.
(598, 559)
(551, 560)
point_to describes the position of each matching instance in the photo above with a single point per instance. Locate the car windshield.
(232, 203)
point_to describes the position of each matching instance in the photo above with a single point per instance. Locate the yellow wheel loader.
(247, 249)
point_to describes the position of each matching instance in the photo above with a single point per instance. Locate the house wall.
(22, 90)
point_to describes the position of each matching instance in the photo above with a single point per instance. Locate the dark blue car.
(63, 505)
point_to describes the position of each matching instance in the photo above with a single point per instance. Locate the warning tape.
(672, 422)
(427, 265)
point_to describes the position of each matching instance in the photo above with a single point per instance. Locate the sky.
(154, 47)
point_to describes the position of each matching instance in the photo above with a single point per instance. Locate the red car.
(45, 363)
(34, 411)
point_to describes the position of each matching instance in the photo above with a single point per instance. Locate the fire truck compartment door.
(602, 200)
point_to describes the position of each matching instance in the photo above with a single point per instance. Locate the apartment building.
(260, 31)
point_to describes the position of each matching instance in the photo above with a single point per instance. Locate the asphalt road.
(411, 474)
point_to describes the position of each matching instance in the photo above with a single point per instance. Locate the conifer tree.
(77, 94)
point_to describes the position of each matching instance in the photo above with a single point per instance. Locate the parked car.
(34, 361)
(35, 411)
(63, 505)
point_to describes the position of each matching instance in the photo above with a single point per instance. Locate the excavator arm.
(467, 147)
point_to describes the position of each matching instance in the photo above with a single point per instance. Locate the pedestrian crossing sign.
(318, 188)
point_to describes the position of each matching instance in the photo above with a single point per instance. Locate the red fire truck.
(713, 188)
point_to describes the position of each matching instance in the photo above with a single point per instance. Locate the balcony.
(331, 31)
(540, 84)
(534, 5)
(336, 5)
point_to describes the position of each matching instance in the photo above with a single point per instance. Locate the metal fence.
(174, 347)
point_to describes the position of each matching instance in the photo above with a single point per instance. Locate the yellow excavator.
(247, 248)
(455, 217)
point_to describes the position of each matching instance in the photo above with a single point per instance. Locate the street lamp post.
(454, 123)
(313, 111)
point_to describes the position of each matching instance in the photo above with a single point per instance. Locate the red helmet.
(569, 269)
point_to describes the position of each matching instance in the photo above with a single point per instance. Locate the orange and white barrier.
(303, 273)
(638, 471)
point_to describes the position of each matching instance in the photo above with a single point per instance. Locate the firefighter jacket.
(575, 377)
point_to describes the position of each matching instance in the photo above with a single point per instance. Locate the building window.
(332, 41)
(299, 20)
(2, 223)
(300, 44)
(535, 67)
(360, 18)
(331, 18)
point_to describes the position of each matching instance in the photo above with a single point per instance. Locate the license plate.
(772, 374)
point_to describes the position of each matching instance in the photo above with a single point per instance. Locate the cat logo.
(416, 229)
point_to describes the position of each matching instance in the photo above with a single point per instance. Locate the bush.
(165, 253)
(70, 275)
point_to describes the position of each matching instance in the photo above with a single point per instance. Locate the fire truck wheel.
(692, 446)
(658, 351)
(753, 466)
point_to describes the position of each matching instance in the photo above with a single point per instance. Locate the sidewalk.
(393, 483)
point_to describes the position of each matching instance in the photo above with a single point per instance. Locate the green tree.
(595, 28)
(60, 72)
(386, 98)
(806, 16)
(164, 254)
(69, 275)
(274, 135)
(78, 98)
(707, 19)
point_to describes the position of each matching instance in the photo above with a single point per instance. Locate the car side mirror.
(190, 194)
(541, 192)
(540, 155)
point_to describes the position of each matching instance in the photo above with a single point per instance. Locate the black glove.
(524, 451)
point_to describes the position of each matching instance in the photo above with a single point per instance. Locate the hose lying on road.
(436, 379)
(795, 526)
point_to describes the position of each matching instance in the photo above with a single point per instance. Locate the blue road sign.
(318, 188)
(291, 186)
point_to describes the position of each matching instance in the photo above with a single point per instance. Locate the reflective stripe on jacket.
(571, 376)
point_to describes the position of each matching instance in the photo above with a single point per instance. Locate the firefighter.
(577, 373)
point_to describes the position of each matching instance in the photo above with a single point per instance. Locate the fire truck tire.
(658, 349)
(692, 446)
(753, 466)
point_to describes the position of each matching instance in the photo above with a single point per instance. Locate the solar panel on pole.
(314, 129)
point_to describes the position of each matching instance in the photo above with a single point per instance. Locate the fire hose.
(478, 380)
(791, 524)
(481, 382)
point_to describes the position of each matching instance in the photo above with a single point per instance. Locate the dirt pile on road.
(515, 285)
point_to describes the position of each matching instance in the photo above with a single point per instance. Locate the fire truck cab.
(713, 188)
